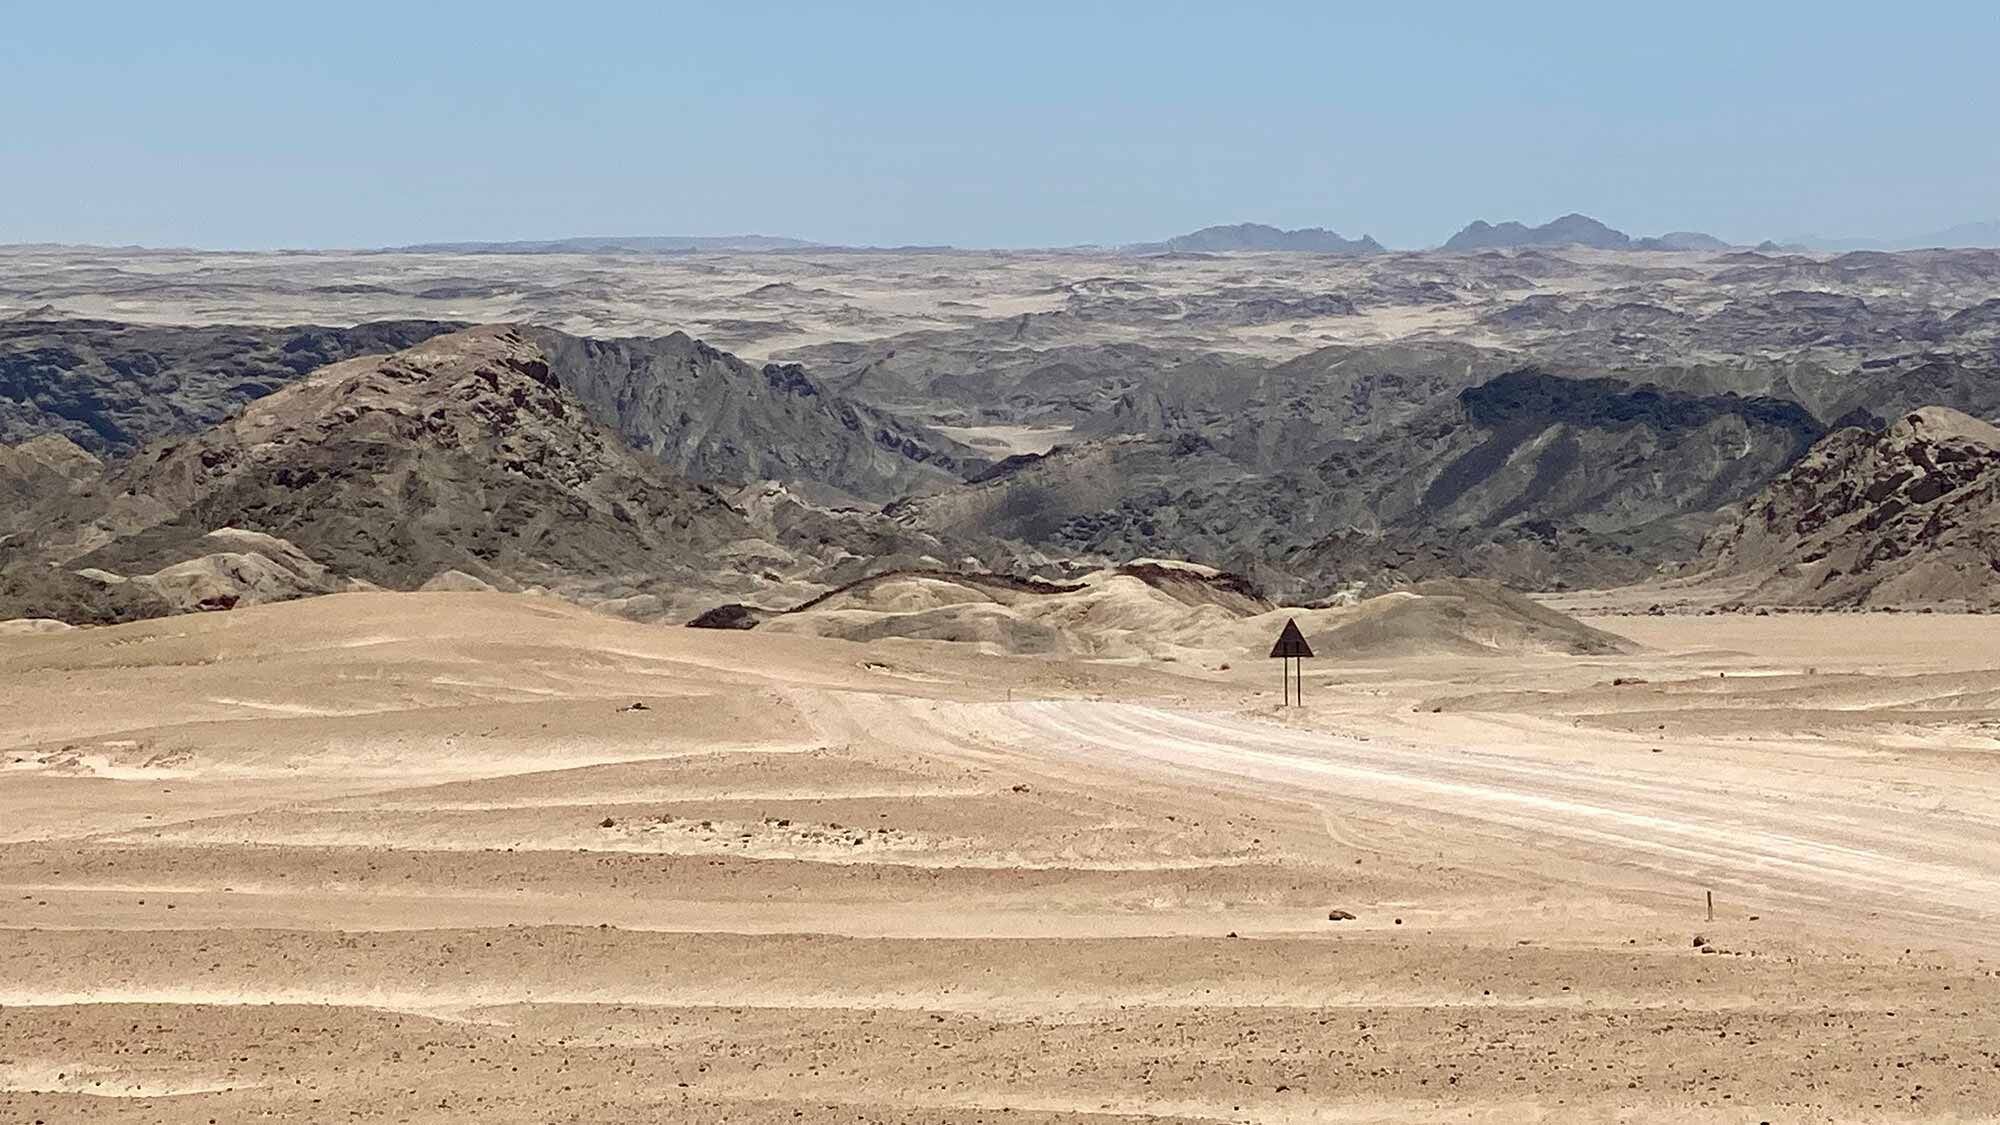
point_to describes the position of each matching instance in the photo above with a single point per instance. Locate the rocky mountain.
(37, 469)
(1569, 230)
(1258, 236)
(1683, 240)
(1543, 478)
(1290, 413)
(459, 463)
(460, 453)
(1907, 515)
(709, 415)
(111, 387)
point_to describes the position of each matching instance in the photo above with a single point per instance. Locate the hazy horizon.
(1037, 127)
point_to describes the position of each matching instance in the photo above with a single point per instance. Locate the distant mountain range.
(1257, 236)
(1984, 235)
(1573, 230)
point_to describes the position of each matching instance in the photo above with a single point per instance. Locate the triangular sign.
(1291, 642)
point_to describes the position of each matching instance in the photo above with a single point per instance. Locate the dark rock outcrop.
(112, 387)
(1906, 516)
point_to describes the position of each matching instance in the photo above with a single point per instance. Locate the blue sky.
(995, 124)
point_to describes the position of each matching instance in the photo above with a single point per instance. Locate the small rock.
(1339, 916)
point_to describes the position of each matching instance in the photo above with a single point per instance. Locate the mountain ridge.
(1258, 237)
(1573, 229)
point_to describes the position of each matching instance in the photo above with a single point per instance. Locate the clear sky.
(987, 124)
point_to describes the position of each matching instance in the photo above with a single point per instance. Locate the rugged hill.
(1909, 515)
(1570, 230)
(711, 416)
(460, 453)
(38, 469)
(1681, 240)
(1292, 413)
(112, 387)
(1574, 230)
(1117, 498)
(1257, 236)
(1539, 478)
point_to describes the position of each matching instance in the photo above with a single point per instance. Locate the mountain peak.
(1260, 236)
(462, 452)
(1573, 229)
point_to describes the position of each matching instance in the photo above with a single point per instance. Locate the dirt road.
(1893, 853)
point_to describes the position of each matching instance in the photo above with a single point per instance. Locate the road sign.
(1291, 642)
(1293, 649)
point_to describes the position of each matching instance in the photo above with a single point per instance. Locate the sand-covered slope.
(1907, 516)
(488, 857)
(1160, 609)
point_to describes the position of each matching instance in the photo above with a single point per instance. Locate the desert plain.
(479, 856)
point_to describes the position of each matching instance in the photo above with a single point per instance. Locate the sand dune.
(1181, 611)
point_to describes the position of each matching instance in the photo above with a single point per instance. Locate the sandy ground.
(407, 857)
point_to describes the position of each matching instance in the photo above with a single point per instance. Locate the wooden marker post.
(1292, 651)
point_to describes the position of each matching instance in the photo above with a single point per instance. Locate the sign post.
(1292, 650)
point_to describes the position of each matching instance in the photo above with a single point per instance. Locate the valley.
(1553, 416)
